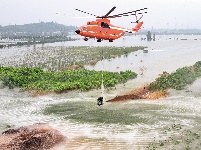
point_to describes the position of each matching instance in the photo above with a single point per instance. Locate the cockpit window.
(84, 28)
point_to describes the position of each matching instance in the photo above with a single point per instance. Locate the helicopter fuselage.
(100, 29)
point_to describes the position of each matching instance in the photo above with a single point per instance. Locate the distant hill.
(44, 28)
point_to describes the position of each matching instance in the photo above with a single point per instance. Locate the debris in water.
(100, 101)
(37, 136)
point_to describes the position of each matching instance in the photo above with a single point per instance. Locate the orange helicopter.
(101, 29)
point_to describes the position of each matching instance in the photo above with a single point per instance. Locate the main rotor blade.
(114, 16)
(110, 12)
(128, 13)
(86, 13)
(83, 17)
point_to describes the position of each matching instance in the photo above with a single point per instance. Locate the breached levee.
(37, 136)
(141, 93)
(157, 89)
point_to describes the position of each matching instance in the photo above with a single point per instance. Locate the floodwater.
(169, 123)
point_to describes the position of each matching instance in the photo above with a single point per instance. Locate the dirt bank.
(37, 136)
(141, 93)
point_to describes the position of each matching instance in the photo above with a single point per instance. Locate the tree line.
(36, 29)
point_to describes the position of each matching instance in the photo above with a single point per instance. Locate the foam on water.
(181, 108)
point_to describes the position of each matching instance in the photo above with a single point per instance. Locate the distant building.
(149, 36)
(154, 37)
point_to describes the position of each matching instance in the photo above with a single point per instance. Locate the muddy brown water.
(175, 119)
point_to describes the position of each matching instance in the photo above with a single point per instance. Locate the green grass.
(38, 80)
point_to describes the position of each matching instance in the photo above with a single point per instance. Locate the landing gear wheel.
(86, 39)
(99, 40)
(110, 40)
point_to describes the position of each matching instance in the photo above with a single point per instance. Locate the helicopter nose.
(77, 31)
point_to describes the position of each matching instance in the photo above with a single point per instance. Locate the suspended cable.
(102, 85)
(102, 98)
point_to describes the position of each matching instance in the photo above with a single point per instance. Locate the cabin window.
(104, 25)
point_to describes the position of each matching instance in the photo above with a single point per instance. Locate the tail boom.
(137, 27)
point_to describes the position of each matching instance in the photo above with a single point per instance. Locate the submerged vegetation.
(187, 139)
(89, 112)
(38, 80)
(60, 57)
(59, 69)
(179, 79)
(27, 41)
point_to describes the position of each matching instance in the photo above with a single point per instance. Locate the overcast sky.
(161, 13)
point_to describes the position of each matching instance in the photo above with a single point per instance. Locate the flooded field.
(169, 123)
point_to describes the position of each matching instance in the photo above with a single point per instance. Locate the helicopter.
(102, 29)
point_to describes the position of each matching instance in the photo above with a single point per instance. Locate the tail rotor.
(137, 20)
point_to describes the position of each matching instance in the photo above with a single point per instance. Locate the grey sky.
(161, 13)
